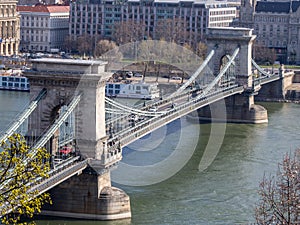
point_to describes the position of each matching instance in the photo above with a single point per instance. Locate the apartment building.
(43, 27)
(9, 28)
(276, 24)
(98, 17)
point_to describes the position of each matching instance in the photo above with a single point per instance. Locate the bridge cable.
(115, 111)
(23, 116)
(192, 78)
(195, 75)
(58, 122)
(49, 133)
(259, 68)
(131, 110)
(220, 75)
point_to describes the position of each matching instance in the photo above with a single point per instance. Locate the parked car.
(175, 78)
(138, 75)
(129, 74)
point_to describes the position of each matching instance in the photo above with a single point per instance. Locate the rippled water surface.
(224, 193)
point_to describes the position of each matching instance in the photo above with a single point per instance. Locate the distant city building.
(34, 2)
(9, 28)
(97, 17)
(276, 24)
(43, 27)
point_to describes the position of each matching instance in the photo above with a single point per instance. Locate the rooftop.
(277, 7)
(68, 61)
(44, 9)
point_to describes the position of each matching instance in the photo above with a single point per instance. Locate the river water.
(224, 193)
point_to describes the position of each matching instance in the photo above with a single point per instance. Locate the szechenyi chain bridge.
(64, 89)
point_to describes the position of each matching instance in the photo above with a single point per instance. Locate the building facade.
(98, 17)
(43, 27)
(277, 26)
(9, 28)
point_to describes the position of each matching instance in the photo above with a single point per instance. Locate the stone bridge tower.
(240, 108)
(89, 195)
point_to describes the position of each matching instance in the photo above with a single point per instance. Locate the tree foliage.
(280, 195)
(21, 168)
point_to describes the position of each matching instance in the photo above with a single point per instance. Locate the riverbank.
(277, 100)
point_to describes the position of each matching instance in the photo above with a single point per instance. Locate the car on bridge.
(66, 151)
(153, 109)
(133, 118)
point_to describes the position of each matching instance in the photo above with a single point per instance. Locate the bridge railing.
(148, 126)
(61, 173)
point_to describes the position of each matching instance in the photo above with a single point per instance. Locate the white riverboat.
(139, 90)
(14, 82)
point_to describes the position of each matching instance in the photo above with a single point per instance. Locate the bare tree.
(85, 44)
(69, 44)
(263, 54)
(108, 51)
(201, 50)
(128, 31)
(280, 195)
(171, 30)
(104, 46)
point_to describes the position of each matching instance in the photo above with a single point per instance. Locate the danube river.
(224, 193)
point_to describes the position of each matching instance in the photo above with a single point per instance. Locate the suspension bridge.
(70, 93)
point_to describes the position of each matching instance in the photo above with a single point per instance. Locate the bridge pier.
(239, 109)
(90, 194)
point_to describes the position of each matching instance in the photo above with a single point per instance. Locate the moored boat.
(14, 82)
(139, 90)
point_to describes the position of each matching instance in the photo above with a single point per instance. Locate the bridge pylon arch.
(89, 195)
(225, 40)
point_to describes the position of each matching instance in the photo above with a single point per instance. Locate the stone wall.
(239, 109)
(78, 197)
(276, 90)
